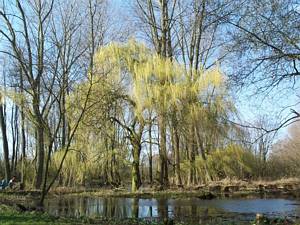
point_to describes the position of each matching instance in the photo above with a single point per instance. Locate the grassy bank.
(8, 215)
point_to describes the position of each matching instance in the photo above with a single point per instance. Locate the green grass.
(10, 216)
(44, 219)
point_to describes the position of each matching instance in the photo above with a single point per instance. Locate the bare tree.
(270, 30)
(28, 46)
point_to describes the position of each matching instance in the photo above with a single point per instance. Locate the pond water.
(185, 209)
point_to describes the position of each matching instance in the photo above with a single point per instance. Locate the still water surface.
(185, 208)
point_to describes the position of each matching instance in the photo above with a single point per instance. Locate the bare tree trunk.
(65, 92)
(163, 159)
(44, 188)
(64, 122)
(13, 136)
(40, 156)
(150, 155)
(106, 161)
(192, 169)
(177, 157)
(23, 137)
(4, 141)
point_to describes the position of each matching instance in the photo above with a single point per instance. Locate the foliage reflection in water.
(185, 209)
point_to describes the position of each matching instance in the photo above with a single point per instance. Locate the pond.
(182, 209)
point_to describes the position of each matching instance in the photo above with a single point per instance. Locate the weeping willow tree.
(159, 84)
(136, 81)
(206, 130)
(98, 145)
(93, 159)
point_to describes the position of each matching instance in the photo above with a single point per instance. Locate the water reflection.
(169, 208)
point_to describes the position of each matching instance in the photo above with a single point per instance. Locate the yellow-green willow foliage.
(156, 82)
(90, 157)
(230, 162)
(210, 119)
(88, 160)
(96, 93)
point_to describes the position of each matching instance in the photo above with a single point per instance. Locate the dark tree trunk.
(15, 137)
(23, 136)
(136, 176)
(150, 155)
(13, 146)
(177, 158)
(40, 156)
(163, 176)
(192, 169)
(4, 142)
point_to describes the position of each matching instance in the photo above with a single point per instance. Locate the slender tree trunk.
(163, 176)
(17, 148)
(44, 188)
(177, 157)
(40, 156)
(64, 125)
(192, 169)
(203, 155)
(4, 141)
(13, 136)
(112, 158)
(150, 155)
(106, 162)
(23, 136)
(112, 167)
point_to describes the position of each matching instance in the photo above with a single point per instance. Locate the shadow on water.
(185, 209)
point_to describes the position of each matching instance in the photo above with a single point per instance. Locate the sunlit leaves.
(157, 82)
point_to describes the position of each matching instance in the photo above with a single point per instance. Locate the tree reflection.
(135, 208)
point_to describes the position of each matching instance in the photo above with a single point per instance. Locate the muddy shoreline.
(287, 189)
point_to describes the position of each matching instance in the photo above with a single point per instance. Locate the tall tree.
(31, 56)
(158, 18)
(4, 139)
